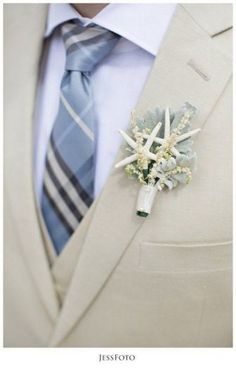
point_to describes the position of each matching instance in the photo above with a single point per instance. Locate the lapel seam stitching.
(190, 15)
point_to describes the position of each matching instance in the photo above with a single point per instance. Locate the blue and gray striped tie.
(68, 185)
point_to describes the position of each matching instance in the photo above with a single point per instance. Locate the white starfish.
(167, 134)
(145, 150)
(152, 138)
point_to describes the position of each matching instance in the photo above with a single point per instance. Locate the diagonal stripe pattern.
(68, 185)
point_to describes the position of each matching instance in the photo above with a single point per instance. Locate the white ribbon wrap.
(146, 197)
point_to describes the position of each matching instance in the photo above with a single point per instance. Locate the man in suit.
(81, 269)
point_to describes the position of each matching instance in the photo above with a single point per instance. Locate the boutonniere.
(160, 152)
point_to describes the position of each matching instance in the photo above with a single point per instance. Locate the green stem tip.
(142, 214)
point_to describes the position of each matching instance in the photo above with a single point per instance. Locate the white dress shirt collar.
(144, 27)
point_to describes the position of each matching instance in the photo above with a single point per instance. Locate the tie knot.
(86, 46)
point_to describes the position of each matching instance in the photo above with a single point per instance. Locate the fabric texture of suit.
(124, 281)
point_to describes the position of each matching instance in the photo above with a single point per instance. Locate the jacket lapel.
(195, 72)
(22, 55)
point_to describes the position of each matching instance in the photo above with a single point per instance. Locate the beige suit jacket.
(125, 281)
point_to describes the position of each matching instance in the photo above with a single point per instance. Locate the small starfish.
(145, 150)
(152, 138)
(167, 134)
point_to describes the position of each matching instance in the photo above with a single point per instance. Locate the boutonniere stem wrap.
(161, 156)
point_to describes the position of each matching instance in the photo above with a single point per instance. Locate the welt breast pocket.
(185, 257)
(180, 293)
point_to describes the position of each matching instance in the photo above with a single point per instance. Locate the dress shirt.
(117, 81)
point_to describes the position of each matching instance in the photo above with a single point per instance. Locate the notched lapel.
(172, 81)
(188, 68)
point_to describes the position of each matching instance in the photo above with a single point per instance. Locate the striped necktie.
(68, 183)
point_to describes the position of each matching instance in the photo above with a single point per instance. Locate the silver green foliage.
(171, 170)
